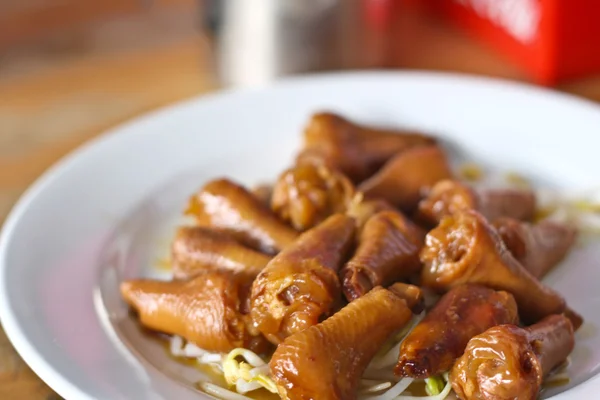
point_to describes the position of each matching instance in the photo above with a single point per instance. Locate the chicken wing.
(388, 251)
(197, 250)
(362, 209)
(357, 151)
(465, 248)
(537, 247)
(224, 205)
(448, 197)
(507, 362)
(263, 193)
(209, 310)
(441, 337)
(326, 361)
(403, 179)
(307, 194)
(300, 286)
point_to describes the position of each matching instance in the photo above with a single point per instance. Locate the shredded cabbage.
(245, 371)
(176, 346)
(191, 350)
(441, 396)
(378, 388)
(517, 180)
(251, 374)
(393, 391)
(179, 348)
(434, 385)
(471, 172)
(374, 386)
(220, 392)
(580, 209)
(260, 370)
(557, 378)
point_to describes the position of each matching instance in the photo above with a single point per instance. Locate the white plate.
(106, 212)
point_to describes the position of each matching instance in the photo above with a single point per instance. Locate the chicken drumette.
(448, 197)
(210, 310)
(441, 337)
(358, 151)
(388, 251)
(507, 362)
(307, 194)
(197, 250)
(466, 248)
(300, 286)
(326, 361)
(227, 206)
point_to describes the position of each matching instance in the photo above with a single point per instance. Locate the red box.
(553, 40)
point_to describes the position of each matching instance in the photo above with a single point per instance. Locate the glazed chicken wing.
(197, 250)
(326, 361)
(362, 209)
(209, 310)
(357, 151)
(300, 285)
(263, 193)
(465, 248)
(441, 337)
(403, 179)
(507, 362)
(307, 194)
(388, 251)
(537, 247)
(224, 205)
(448, 197)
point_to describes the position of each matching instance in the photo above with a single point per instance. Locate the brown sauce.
(554, 383)
(558, 377)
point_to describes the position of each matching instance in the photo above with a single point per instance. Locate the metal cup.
(260, 40)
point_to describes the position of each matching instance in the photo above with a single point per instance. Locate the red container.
(553, 40)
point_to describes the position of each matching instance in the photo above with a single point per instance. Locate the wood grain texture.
(45, 116)
(30, 20)
(47, 113)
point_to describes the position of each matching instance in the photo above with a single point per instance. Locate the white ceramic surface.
(107, 212)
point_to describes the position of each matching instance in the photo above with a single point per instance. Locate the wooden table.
(46, 113)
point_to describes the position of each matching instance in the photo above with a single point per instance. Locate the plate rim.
(43, 368)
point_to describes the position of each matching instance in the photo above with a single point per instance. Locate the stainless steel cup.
(260, 40)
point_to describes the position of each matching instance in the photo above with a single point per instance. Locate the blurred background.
(70, 69)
